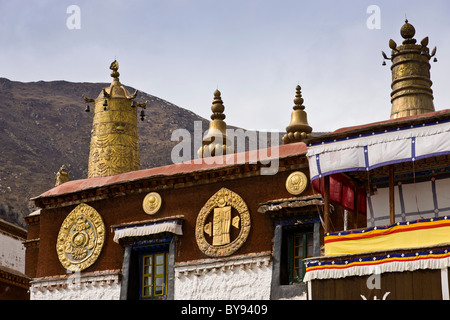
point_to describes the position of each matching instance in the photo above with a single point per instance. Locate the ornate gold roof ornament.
(114, 137)
(411, 82)
(62, 176)
(298, 129)
(215, 141)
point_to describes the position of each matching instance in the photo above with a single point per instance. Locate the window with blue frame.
(154, 271)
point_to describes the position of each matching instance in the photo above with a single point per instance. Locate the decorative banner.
(213, 235)
(392, 262)
(152, 203)
(81, 238)
(419, 233)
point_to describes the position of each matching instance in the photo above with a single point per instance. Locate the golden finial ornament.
(62, 176)
(114, 137)
(215, 141)
(114, 67)
(411, 82)
(298, 129)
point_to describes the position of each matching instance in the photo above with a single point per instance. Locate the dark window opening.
(297, 244)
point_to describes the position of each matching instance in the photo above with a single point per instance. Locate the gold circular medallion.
(80, 238)
(224, 231)
(152, 203)
(296, 183)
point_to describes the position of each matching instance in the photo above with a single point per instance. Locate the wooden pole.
(326, 200)
(391, 195)
(356, 209)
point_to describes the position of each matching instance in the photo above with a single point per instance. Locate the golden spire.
(62, 176)
(215, 141)
(114, 139)
(411, 82)
(298, 129)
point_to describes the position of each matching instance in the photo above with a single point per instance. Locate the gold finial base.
(298, 129)
(216, 142)
(411, 85)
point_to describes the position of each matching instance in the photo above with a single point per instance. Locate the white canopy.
(366, 152)
(148, 229)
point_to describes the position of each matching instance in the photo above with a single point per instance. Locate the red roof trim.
(198, 165)
(393, 121)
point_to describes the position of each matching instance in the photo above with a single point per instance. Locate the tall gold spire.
(298, 129)
(215, 141)
(411, 82)
(114, 139)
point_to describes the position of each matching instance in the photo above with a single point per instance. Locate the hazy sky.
(254, 52)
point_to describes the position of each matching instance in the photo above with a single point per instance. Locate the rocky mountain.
(43, 125)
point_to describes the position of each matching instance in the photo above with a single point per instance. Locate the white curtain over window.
(145, 230)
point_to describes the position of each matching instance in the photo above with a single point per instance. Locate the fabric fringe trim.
(439, 259)
(140, 231)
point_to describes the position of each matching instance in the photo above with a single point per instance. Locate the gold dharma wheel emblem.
(152, 203)
(224, 231)
(296, 183)
(80, 239)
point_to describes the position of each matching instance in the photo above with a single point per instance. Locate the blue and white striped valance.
(366, 152)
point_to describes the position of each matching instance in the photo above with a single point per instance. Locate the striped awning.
(367, 151)
(401, 235)
(377, 264)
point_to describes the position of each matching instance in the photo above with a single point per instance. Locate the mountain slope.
(43, 125)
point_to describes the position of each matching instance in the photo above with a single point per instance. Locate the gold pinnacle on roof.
(411, 82)
(62, 176)
(114, 145)
(298, 129)
(215, 141)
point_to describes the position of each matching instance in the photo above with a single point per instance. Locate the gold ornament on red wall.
(152, 203)
(296, 183)
(224, 231)
(80, 239)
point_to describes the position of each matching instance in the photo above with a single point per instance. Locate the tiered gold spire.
(62, 176)
(298, 129)
(114, 139)
(215, 141)
(411, 84)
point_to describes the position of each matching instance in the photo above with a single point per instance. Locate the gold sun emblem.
(152, 203)
(296, 183)
(80, 239)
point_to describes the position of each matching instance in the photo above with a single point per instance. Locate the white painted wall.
(235, 278)
(12, 252)
(245, 278)
(101, 286)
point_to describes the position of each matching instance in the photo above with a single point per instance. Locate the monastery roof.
(382, 125)
(176, 170)
(12, 229)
